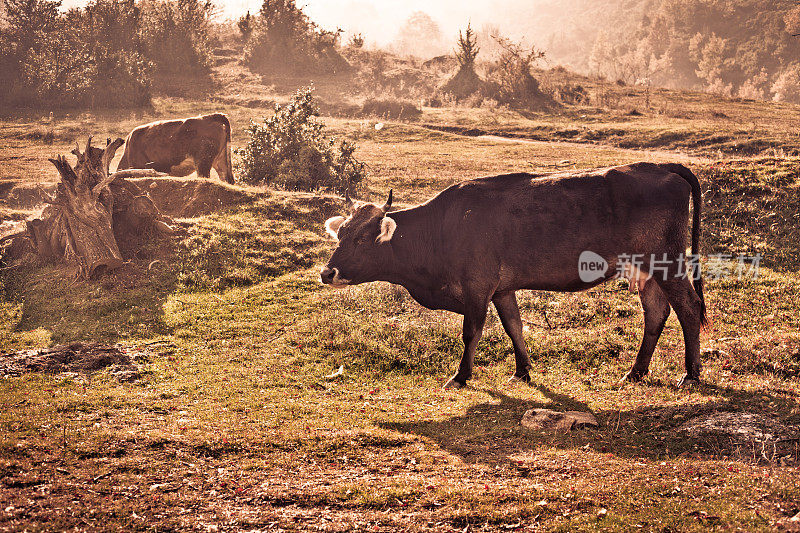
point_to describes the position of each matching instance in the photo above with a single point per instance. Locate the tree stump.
(92, 212)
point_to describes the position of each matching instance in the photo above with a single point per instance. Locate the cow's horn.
(388, 204)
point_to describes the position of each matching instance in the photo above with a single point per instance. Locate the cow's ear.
(388, 225)
(332, 226)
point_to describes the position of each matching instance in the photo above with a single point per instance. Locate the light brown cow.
(179, 147)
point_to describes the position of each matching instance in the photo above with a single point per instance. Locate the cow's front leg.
(474, 318)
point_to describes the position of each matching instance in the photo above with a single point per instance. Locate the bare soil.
(175, 197)
(79, 357)
(192, 197)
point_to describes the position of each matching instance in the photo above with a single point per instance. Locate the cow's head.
(363, 240)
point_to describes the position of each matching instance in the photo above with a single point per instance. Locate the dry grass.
(234, 426)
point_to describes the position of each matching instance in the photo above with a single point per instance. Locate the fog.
(538, 22)
(379, 20)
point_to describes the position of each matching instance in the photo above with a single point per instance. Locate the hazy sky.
(379, 20)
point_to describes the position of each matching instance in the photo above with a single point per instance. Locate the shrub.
(284, 40)
(466, 82)
(571, 94)
(85, 57)
(356, 41)
(511, 80)
(290, 150)
(391, 109)
(175, 34)
(245, 25)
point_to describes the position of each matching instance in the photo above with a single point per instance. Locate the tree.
(787, 85)
(27, 21)
(467, 49)
(420, 36)
(792, 21)
(713, 60)
(466, 81)
(286, 40)
(175, 34)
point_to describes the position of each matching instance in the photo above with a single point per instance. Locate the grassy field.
(234, 426)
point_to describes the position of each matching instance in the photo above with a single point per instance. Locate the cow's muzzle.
(331, 276)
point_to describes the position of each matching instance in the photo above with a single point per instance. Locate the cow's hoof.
(688, 381)
(631, 377)
(454, 384)
(513, 380)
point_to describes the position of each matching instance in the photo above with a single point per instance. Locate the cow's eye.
(359, 240)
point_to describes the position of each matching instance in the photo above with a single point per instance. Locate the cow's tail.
(697, 208)
(223, 120)
(124, 162)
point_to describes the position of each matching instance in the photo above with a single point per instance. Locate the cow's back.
(529, 226)
(168, 143)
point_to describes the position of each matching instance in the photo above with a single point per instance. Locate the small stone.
(539, 419)
(582, 420)
(165, 487)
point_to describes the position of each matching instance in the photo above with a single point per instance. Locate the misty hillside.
(732, 48)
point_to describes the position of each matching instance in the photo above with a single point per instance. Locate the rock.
(539, 419)
(791, 524)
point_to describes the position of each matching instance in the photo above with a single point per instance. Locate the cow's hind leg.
(687, 305)
(507, 308)
(656, 312)
(204, 168)
(205, 159)
(474, 318)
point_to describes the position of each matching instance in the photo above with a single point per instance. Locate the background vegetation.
(290, 150)
(734, 48)
(103, 55)
(283, 40)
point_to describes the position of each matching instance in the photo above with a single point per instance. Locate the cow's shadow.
(491, 432)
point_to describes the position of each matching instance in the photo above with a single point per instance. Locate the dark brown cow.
(481, 240)
(179, 147)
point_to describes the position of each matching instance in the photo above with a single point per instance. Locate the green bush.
(290, 150)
